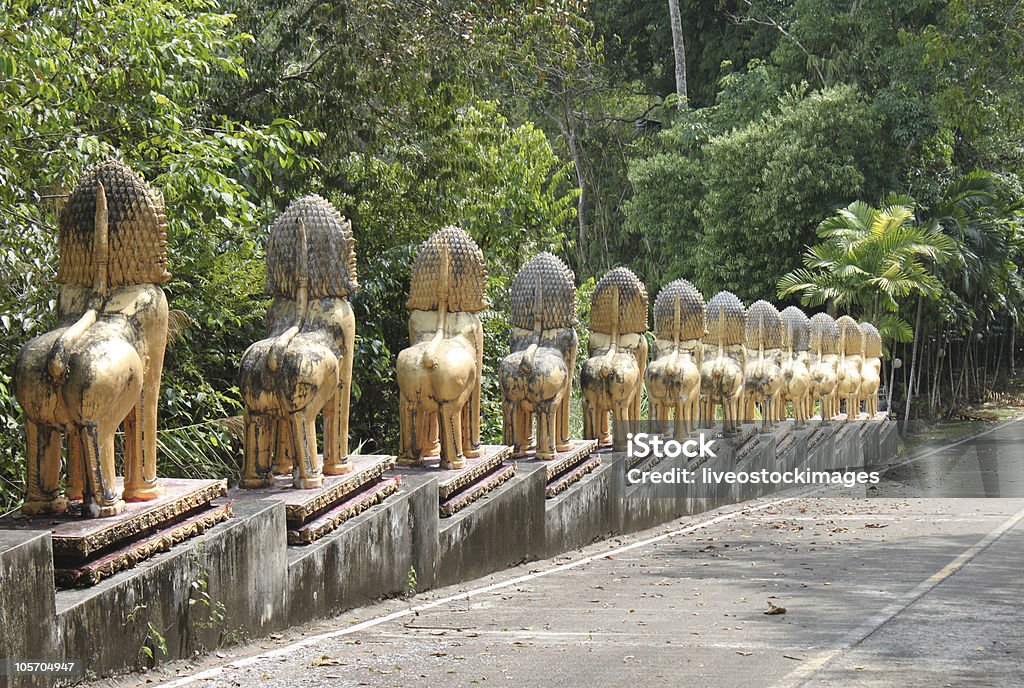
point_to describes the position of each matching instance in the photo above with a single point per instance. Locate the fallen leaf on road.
(327, 661)
(876, 525)
(774, 609)
(744, 654)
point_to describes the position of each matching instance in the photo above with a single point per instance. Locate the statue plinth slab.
(92, 572)
(86, 550)
(458, 488)
(311, 514)
(352, 504)
(568, 467)
(785, 436)
(746, 440)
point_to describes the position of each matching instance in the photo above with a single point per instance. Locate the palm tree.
(870, 260)
(983, 270)
(984, 282)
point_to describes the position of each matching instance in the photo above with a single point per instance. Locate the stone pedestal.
(87, 550)
(567, 467)
(311, 514)
(458, 488)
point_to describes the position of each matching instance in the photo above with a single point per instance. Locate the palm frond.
(894, 328)
(177, 322)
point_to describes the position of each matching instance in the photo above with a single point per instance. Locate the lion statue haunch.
(101, 367)
(848, 368)
(305, 365)
(673, 377)
(439, 374)
(613, 376)
(762, 383)
(721, 374)
(536, 378)
(823, 349)
(871, 368)
(796, 383)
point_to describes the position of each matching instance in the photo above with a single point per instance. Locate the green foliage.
(81, 81)
(410, 582)
(537, 125)
(732, 207)
(771, 182)
(637, 43)
(872, 259)
(983, 279)
(502, 184)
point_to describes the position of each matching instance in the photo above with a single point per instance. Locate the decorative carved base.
(566, 480)
(312, 513)
(489, 481)
(568, 467)
(785, 436)
(354, 503)
(86, 550)
(92, 572)
(458, 488)
(747, 439)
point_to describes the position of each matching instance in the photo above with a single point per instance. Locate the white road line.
(801, 675)
(915, 459)
(214, 672)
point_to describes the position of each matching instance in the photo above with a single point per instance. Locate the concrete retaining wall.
(244, 581)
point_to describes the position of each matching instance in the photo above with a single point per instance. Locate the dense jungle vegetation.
(864, 156)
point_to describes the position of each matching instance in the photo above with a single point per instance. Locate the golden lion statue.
(101, 367)
(722, 373)
(613, 376)
(823, 360)
(796, 383)
(536, 378)
(673, 377)
(763, 370)
(305, 366)
(848, 367)
(871, 369)
(439, 374)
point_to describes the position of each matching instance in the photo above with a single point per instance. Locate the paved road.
(885, 591)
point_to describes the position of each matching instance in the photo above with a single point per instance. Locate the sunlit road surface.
(882, 591)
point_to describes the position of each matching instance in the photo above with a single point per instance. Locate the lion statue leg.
(42, 478)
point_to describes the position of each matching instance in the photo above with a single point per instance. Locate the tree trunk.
(566, 123)
(892, 379)
(1013, 347)
(679, 48)
(913, 362)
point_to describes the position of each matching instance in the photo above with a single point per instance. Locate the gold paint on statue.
(305, 366)
(796, 383)
(439, 374)
(536, 378)
(101, 367)
(848, 367)
(613, 376)
(721, 375)
(673, 377)
(763, 369)
(871, 368)
(823, 349)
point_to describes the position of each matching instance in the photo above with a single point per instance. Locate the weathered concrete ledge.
(242, 580)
